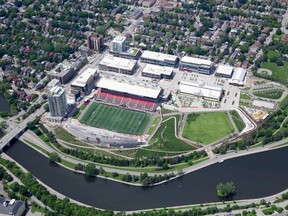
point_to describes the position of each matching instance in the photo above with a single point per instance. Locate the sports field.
(207, 127)
(116, 119)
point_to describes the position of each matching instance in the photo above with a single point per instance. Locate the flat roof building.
(201, 90)
(157, 71)
(13, 207)
(118, 65)
(159, 58)
(224, 71)
(52, 83)
(203, 66)
(238, 77)
(123, 87)
(57, 102)
(84, 81)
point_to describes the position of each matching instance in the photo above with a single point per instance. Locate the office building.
(157, 71)
(118, 65)
(95, 42)
(159, 58)
(119, 44)
(84, 82)
(203, 66)
(57, 102)
(224, 71)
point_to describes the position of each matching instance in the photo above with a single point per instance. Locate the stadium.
(119, 115)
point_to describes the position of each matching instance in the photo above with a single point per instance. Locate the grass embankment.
(237, 120)
(79, 111)
(116, 119)
(207, 127)
(64, 135)
(269, 93)
(165, 139)
(154, 125)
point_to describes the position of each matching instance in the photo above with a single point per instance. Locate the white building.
(57, 102)
(52, 83)
(119, 44)
(224, 71)
(118, 65)
(159, 58)
(84, 81)
(238, 77)
(131, 89)
(157, 72)
(201, 90)
(203, 66)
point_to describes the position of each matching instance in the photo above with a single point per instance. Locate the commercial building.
(224, 71)
(84, 82)
(57, 102)
(159, 58)
(119, 44)
(130, 53)
(201, 90)
(203, 66)
(238, 77)
(95, 42)
(118, 65)
(52, 83)
(12, 208)
(157, 72)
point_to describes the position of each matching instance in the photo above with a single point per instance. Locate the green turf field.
(207, 127)
(116, 119)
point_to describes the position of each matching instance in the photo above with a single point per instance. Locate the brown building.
(95, 42)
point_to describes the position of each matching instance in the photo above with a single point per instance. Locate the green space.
(116, 119)
(154, 125)
(207, 127)
(273, 54)
(165, 138)
(150, 153)
(64, 135)
(245, 96)
(79, 111)
(269, 93)
(278, 72)
(237, 120)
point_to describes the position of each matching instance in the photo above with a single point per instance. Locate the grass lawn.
(64, 135)
(237, 120)
(269, 93)
(273, 53)
(116, 119)
(154, 125)
(79, 111)
(245, 96)
(165, 138)
(150, 153)
(207, 127)
(278, 72)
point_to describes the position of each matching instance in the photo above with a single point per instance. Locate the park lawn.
(142, 152)
(207, 127)
(116, 119)
(278, 72)
(269, 93)
(165, 138)
(154, 125)
(273, 53)
(237, 120)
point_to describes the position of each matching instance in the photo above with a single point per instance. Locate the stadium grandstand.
(127, 95)
(159, 58)
(203, 66)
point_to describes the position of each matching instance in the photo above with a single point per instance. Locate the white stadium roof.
(124, 87)
(157, 70)
(116, 62)
(158, 56)
(82, 79)
(224, 70)
(238, 76)
(200, 89)
(193, 60)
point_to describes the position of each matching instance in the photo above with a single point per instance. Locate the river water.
(4, 105)
(255, 176)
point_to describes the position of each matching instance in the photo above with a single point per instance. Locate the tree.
(54, 157)
(90, 170)
(278, 32)
(226, 190)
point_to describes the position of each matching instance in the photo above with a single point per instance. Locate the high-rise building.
(95, 42)
(119, 44)
(57, 101)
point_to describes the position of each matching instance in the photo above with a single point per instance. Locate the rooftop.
(119, 39)
(10, 207)
(56, 91)
(199, 61)
(224, 69)
(82, 79)
(238, 76)
(116, 62)
(158, 56)
(158, 70)
(132, 89)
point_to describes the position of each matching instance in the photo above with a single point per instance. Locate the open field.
(237, 120)
(165, 138)
(269, 93)
(278, 72)
(116, 119)
(207, 127)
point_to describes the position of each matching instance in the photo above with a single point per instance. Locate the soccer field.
(116, 119)
(207, 127)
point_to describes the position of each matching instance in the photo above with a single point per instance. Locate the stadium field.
(207, 127)
(116, 119)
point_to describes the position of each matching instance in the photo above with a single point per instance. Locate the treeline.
(264, 134)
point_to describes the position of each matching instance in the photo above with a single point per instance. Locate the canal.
(4, 105)
(255, 176)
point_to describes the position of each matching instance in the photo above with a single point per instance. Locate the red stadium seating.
(123, 100)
